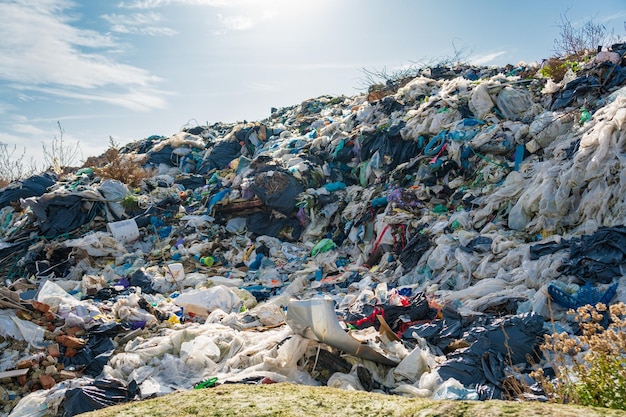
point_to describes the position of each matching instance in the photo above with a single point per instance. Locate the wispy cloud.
(12, 139)
(25, 98)
(236, 22)
(138, 23)
(251, 12)
(27, 129)
(5, 107)
(485, 58)
(618, 16)
(244, 22)
(24, 144)
(133, 99)
(42, 48)
(143, 4)
(153, 4)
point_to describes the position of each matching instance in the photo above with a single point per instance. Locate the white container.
(124, 231)
(174, 271)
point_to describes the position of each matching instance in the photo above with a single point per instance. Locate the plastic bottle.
(584, 115)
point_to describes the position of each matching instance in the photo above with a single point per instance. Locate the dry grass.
(300, 400)
(117, 166)
(590, 368)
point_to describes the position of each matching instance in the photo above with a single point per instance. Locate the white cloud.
(5, 107)
(236, 22)
(485, 58)
(618, 17)
(143, 4)
(11, 139)
(153, 4)
(246, 21)
(28, 129)
(133, 99)
(24, 144)
(253, 12)
(25, 98)
(138, 23)
(42, 47)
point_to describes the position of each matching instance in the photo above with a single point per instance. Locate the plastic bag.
(18, 329)
(419, 86)
(323, 245)
(52, 294)
(202, 302)
(454, 390)
(200, 353)
(516, 104)
(128, 310)
(480, 102)
(33, 405)
(113, 190)
(347, 382)
(547, 126)
(412, 391)
(98, 244)
(415, 364)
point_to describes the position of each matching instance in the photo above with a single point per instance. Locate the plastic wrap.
(481, 102)
(515, 104)
(18, 329)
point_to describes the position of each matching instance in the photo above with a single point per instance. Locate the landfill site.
(419, 239)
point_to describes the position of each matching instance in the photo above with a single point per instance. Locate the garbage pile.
(417, 241)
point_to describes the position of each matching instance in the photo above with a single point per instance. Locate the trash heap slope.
(414, 241)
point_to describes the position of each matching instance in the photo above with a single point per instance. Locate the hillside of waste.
(418, 240)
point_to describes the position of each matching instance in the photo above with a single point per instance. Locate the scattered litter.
(411, 241)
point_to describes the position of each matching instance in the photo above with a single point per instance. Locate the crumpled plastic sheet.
(178, 359)
(13, 327)
(580, 190)
(98, 244)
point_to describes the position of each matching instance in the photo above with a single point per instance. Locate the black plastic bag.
(220, 156)
(102, 393)
(34, 186)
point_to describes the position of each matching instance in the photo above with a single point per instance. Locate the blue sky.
(129, 69)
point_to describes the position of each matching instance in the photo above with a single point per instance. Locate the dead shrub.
(590, 369)
(117, 166)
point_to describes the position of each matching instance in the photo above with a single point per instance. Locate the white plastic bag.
(414, 365)
(204, 301)
(33, 405)
(516, 104)
(200, 353)
(18, 329)
(547, 126)
(98, 244)
(52, 294)
(347, 382)
(480, 102)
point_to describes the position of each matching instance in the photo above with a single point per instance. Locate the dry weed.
(590, 368)
(117, 166)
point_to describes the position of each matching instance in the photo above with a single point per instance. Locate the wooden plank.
(239, 205)
(13, 373)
